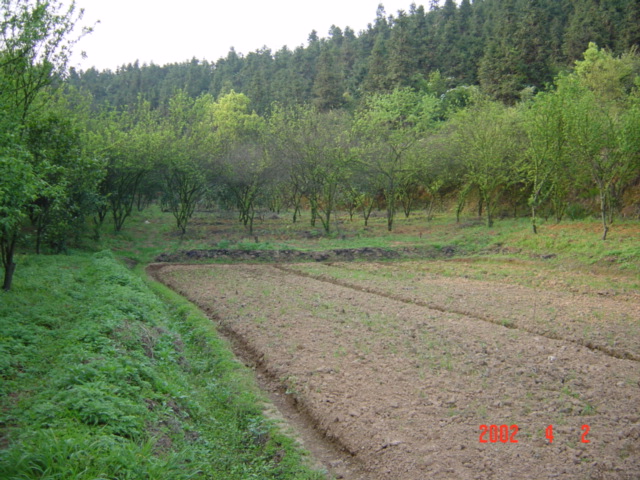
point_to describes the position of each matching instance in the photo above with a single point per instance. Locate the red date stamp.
(498, 433)
(583, 438)
(507, 433)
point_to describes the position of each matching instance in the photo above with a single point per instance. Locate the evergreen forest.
(506, 47)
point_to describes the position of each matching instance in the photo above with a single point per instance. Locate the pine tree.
(586, 24)
(328, 87)
(376, 78)
(403, 53)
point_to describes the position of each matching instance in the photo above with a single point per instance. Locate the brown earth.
(401, 367)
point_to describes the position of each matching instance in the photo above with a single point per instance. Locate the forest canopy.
(507, 47)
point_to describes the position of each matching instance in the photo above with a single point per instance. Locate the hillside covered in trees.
(504, 46)
(515, 108)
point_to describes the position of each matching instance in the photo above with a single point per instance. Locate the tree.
(546, 165)
(18, 188)
(488, 136)
(329, 166)
(376, 79)
(287, 147)
(244, 176)
(404, 52)
(69, 177)
(315, 149)
(128, 144)
(612, 78)
(34, 49)
(603, 122)
(389, 126)
(587, 23)
(243, 164)
(607, 143)
(185, 154)
(517, 54)
(328, 88)
(440, 171)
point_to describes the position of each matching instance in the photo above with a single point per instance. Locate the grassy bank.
(104, 377)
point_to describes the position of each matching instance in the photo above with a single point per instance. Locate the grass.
(573, 245)
(106, 376)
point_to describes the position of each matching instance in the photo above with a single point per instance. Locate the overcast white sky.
(162, 31)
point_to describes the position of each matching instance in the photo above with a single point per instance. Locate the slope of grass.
(103, 378)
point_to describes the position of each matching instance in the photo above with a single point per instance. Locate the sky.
(162, 32)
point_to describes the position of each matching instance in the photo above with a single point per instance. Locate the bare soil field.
(439, 369)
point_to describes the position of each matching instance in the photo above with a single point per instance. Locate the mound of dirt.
(339, 254)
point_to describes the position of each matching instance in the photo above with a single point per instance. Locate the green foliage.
(18, 187)
(547, 168)
(17, 190)
(34, 48)
(490, 140)
(102, 379)
(69, 177)
(315, 149)
(185, 157)
(612, 78)
(603, 123)
(243, 165)
(390, 126)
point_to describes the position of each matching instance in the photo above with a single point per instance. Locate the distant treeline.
(504, 46)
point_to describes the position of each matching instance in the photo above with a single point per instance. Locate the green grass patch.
(151, 232)
(573, 245)
(105, 376)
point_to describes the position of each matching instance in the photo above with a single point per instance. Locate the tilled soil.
(403, 372)
(607, 323)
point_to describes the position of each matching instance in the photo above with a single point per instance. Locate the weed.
(567, 391)
(507, 322)
(340, 352)
(446, 362)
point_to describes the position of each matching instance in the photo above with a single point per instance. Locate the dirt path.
(403, 372)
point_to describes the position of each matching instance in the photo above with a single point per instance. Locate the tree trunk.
(8, 263)
(489, 220)
(391, 204)
(390, 215)
(38, 240)
(489, 207)
(366, 212)
(296, 212)
(603, 211)
(252, 214)
(8, 276)
(462, 200)
(314, 216)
